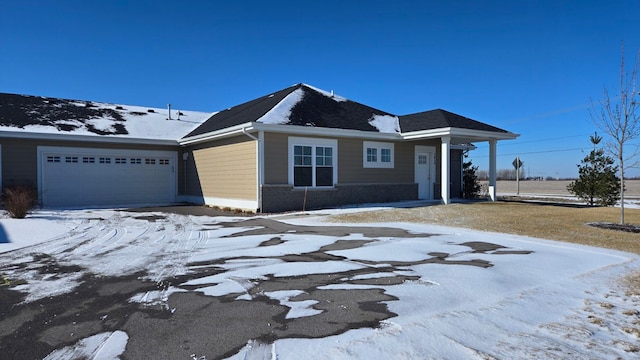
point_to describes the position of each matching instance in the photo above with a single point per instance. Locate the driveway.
(167, 284)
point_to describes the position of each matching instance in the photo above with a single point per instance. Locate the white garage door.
(85, 176)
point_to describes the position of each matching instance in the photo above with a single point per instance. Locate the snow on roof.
(31, 114)
(385, 123)
(280, 113)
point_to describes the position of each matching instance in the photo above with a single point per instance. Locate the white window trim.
(303, 141)
(379, 146)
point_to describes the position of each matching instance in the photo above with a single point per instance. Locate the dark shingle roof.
(240, 114)
(22, 110)
(36, 114)
(300, 105)
(437, 119)
(314, 109)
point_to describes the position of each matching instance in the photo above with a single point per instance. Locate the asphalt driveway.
(185, 283)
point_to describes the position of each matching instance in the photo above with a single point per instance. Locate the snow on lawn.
(524, 298)
(19, 233)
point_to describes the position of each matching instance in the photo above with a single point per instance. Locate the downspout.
(259, 163)
(462, 173)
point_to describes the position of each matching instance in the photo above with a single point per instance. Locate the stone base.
(279, 198)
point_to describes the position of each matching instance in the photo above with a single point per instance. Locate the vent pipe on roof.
(169, 108)
(331, 93)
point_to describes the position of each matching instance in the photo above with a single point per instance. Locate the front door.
(425, 171)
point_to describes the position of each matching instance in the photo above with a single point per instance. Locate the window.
(120, 160)
(385, 155)
(312, 162)
(377, 155)
(135, 161)
(71, 159)
(422, 159)
(88, 160)
(150, 161)
(105, 160)
(164, 161)
(324, 166)
(302, 166)
(53, 159)
(372, 155)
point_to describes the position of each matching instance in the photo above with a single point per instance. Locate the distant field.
(553, 187)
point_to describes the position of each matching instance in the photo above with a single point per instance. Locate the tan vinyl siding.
(20, 156)
(276, 158)
(19, 162)
(350, 166)
(351, 170)
(224, 169)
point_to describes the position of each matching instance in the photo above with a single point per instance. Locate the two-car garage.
(69, 176)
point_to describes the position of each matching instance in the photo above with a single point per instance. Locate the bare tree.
(618, 117)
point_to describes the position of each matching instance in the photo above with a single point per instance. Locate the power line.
(534, 152)
(534, 141)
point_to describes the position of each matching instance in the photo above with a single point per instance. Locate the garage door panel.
(74, 179)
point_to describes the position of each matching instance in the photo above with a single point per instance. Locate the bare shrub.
(18, 200)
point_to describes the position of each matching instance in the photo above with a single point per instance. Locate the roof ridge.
(104, 103)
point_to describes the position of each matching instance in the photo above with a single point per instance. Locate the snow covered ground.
(450, 293)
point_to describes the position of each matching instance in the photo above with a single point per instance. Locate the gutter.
(86, 138)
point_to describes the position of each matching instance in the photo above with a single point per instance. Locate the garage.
(69, 177)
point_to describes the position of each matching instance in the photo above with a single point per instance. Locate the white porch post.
(445, 167)
(492, 169)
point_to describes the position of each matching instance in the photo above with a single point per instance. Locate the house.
(300, 147)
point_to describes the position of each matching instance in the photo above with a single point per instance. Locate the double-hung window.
(372, 155)
(312, 162)
(377, 154)
(324, 166)
(303, 165)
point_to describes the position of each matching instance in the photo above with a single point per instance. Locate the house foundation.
(279, 198)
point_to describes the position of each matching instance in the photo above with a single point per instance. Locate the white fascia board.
(325, 132)
(218, 134)
(85, 138)
(472, 135)
(288, 129)
(426, 134)
(487, 135)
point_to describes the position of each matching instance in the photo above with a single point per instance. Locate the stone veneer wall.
(278, 198)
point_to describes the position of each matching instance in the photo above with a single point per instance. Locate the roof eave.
(468, 134)
(86, 138)
(217, 134)
(328, 132)
(287, 129)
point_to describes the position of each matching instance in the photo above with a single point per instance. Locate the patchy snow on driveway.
(393, 290)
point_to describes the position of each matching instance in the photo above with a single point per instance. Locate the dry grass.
(546, 221)
(632, 281)
(555, 187)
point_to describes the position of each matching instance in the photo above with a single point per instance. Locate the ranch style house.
(300, 147)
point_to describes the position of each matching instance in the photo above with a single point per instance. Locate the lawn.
(547, 221)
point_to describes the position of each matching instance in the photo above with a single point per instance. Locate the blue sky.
(528, 67)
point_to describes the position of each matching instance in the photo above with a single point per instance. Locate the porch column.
(492, 169)
(445, 168)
